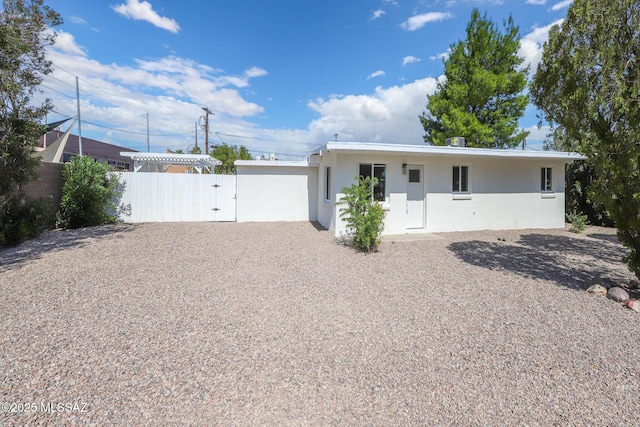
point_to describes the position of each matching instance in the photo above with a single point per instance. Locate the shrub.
(364, 216)
(578, 222)
(23, 218)
(87, 194)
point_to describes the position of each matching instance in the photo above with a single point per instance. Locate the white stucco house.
(423, 188)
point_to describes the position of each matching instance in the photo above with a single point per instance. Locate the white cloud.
(143, 11)
(375, 74)
(255, 72)
(377, 14)
(531, 45)
(410, 60)
(418, 21)
(561, 5)
(537, 2)
(170, 89)
(77, 20)
(443, 56)
(388, 115)
(67, 43)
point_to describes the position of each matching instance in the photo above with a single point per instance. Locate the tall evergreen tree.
(588, 82)
(24, 35)
(481, 98)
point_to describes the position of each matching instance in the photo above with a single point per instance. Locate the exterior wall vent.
(456, 141)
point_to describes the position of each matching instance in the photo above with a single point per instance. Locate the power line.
(265, 139)
(49, 76)
(59, 93)
(134, 132)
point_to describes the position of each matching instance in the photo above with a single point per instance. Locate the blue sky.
(280, 76)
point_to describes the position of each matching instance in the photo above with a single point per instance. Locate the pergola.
(160, 162)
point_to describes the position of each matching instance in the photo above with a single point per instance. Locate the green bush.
(363, 215)
(578, 222)
(87, 194)
(23, 218)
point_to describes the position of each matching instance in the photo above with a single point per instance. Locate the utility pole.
(148, 148)
(206, 129)
(196, 134)
(79, 121)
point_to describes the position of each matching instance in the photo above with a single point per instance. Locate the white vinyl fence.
(171, 197)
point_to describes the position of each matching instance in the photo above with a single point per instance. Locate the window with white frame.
(379, 171)
(546, 179)
(327, 183)
(461, 179)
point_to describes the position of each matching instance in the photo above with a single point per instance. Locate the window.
(414, 175)
(546, 183)
(378, 171)
(327, 183)
(461, 179)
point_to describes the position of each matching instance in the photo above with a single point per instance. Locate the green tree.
(481, 98)
(588, 83)
(228, 155)
(581, 183)
(24, 36)
(88, 193)
(363, 215)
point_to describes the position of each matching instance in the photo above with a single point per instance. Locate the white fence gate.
(171, 197)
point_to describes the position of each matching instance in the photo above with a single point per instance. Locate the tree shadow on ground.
(56, 240)
(568, 261)
(611, 238)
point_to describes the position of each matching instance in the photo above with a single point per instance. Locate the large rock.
(618, 294)
(597, 290)
(634, 283)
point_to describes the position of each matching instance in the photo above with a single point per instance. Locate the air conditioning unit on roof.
(455, 141)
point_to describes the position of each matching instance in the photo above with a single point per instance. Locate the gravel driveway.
(279, 324)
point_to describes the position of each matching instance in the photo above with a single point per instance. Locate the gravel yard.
(280, 324)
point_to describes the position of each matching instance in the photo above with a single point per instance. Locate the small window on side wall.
(546, 180)
(327, 183)
(461, 179)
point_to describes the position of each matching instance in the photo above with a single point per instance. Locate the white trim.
(280, 163)
(468, 192)
(164, 160)
(461, 196)
(449, 151)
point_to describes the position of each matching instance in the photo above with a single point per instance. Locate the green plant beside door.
(363, 215)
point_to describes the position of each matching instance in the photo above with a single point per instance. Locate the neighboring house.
(422, 188)
(100, 151)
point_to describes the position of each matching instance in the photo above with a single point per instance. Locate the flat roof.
(281, 163)
(433, 150)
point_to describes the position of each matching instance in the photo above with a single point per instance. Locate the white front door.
(415, 197)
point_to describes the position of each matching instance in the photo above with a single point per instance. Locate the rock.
(634, 283)
(634, 305)
(597, 290)
(618, 294)
(597, 280)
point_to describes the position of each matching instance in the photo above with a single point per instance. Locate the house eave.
(430, 150)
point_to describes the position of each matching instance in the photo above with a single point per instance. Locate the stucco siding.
(503, 193)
